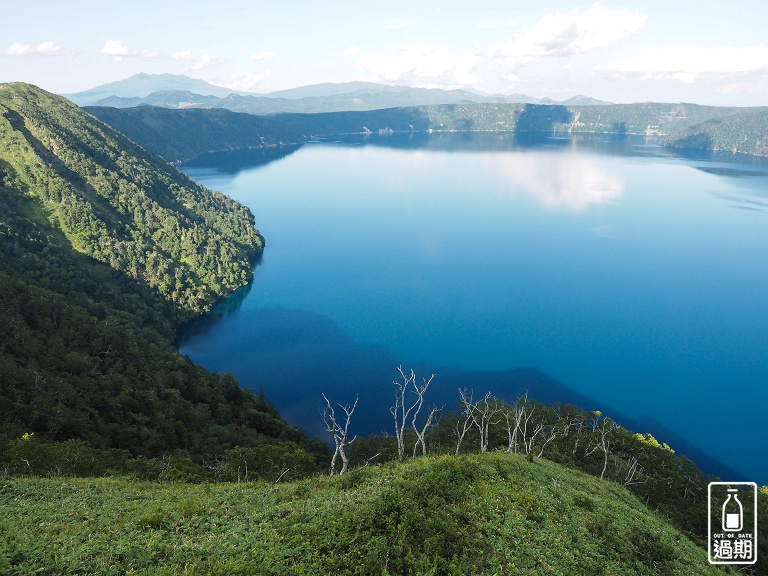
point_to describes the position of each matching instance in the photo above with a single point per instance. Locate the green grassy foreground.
(492, 514)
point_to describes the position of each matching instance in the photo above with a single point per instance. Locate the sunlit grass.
(443, 515)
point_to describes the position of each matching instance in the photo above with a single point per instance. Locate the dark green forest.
(104, 250)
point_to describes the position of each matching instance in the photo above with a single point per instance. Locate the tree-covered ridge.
(180, 135)
(86, 349)
(122, 206)
(745, 133)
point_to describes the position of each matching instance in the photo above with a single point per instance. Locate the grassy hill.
(492, 514)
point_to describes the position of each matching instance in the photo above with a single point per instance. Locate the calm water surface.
(609, 273)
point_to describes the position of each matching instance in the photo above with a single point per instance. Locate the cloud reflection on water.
(559, 181)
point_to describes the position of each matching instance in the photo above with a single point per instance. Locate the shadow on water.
(229, 306)
(234, 161)
(295, 356)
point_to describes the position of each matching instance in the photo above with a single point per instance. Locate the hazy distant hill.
(162, 98)
(324, 89)
(142, 85)
(171, 91)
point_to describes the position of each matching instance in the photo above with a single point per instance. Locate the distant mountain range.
(181, 92)
(141, 85)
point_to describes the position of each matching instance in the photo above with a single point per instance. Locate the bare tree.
(542, 435)
(400, 412)
(480, 414)
(420, 391)
(339, 431)
(483, 416)
(634, 471)
(602, 428)
(524, 434)
(421, 434)
(570, 418)
(516, 418)
(463, 426)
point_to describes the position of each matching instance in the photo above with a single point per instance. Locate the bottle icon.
(733, 512)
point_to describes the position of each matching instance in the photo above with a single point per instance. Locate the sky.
(701, 51)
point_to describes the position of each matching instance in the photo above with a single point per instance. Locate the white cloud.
(568, 34)
(422, 66)
(260, 56)
(120, 50)
(44, 49)
(687, 64)
(116, 48)
(352, 51)
(246, 82)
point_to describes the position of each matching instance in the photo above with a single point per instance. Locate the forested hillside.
(122, 206)
(103, 250)
(180, 135)
(745, 133)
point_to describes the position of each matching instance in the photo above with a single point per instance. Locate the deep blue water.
(610, 273)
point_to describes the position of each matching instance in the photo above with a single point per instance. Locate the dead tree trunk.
(340, 432)
(602, 429)
(486, 410)
(420, 391)
(421, 434)
(465, 398)
(399, 411)
(481, 414)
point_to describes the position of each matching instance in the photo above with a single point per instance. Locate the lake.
(611, 273)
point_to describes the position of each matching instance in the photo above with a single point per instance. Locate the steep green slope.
(739, 134)
(122, 206)
(180, 135)
(104, 247)
(492, 514)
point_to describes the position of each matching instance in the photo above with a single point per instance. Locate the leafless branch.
(340, 431)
